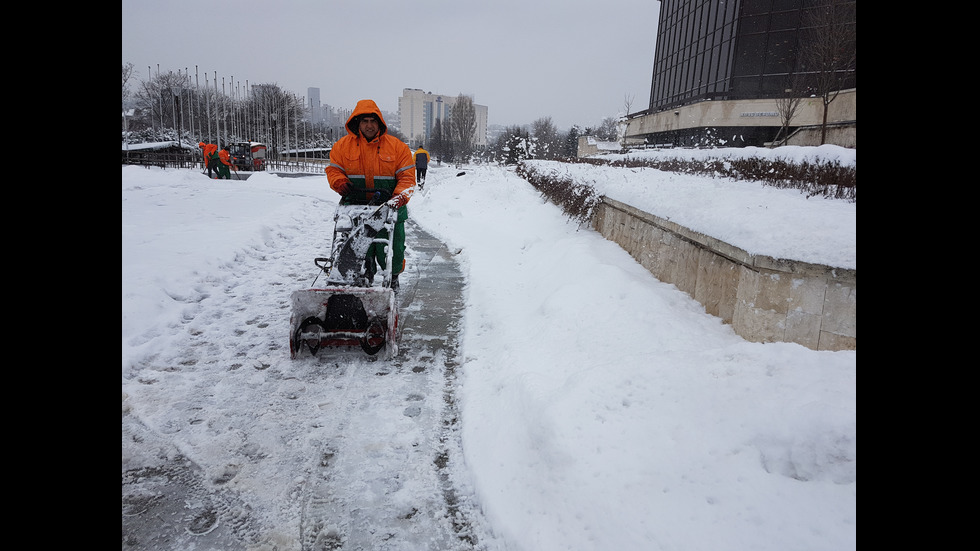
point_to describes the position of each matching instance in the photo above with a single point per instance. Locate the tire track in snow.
(391, 485)
(331, 452)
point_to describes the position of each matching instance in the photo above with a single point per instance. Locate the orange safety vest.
(383, 163)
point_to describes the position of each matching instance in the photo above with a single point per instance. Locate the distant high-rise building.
(418, 112)
(313, 105)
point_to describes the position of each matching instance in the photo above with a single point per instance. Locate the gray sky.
(572, 60)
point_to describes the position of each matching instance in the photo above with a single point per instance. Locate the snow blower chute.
(351, 309)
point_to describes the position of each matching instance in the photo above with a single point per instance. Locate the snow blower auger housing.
(351, 309)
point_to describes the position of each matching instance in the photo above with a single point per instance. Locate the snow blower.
(351, 309)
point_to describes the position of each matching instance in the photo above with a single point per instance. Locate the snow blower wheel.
(374, 337)
(312, 325)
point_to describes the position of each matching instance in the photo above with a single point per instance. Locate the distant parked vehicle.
(247, 155)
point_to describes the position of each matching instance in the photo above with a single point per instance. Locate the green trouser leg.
(398, 256)
(378, 253)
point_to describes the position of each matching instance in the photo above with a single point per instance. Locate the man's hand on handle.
(398, 201)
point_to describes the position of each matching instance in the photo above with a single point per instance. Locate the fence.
(178, 159)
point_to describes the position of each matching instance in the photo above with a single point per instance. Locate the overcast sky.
(575, 61)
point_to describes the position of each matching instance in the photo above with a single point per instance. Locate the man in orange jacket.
(369, 159)
(209, 149)
(225, 168)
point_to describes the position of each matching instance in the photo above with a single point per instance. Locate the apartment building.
(418, 112)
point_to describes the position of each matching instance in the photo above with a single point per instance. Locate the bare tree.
(829, 56)
(158, 97)
(127, 74)
(438, 143)
(788, 105)
(607, 131)
(275, 113)
(625, 119)
(462, 124)
(546, 139)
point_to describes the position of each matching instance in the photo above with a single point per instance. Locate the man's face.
(369, 127)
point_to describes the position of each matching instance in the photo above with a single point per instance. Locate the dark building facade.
(711, 50)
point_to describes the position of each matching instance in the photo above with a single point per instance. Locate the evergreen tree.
(517, 145)
(570, 143)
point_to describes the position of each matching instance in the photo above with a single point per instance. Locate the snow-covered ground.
(599, 408)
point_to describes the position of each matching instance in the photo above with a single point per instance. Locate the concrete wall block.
(670, 244)
(612, 225)
(717, 285)
(729, 284)
(628, 227)
(774, 292)
(807, 294)
(640, 238)
(660, 254)
(758, 324)
(685, 267)
(754, 318)
(606, 222)
(650, 251)
(748, 286)
(831, 341)
(765, 299)
(803, 328)
(599, 218)
(840, 310)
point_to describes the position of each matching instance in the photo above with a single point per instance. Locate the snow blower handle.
(323, 263)
(379, 197)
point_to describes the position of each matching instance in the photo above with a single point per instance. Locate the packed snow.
(599, 408)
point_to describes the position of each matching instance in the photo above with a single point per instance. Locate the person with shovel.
(225, 167)
(210, 150)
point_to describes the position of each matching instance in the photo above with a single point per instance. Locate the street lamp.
(274, 132)
(177, 91)
(125, 115)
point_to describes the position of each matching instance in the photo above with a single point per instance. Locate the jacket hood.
(366, 107)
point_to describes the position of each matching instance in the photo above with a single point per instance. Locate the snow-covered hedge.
(826, 178)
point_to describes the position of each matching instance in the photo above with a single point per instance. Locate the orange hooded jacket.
(383, 163)
(209, 148)
(225, 158)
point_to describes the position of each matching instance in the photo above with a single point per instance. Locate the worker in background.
(225, 167)
(210, 152)
(421, 158)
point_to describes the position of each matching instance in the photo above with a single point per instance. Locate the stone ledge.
(765, 299)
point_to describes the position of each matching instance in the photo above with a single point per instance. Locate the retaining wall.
(764, 299)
